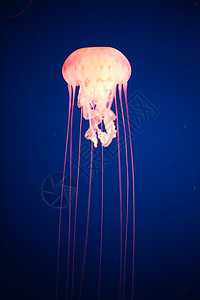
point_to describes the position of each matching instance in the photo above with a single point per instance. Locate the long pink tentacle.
(63, 179)
(120, 196)
(20, 13)
(127, 188)
(132, 167)
(87, 226)
(70, 178)
(101, 224)
(76, 204)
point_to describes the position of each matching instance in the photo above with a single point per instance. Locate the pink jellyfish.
(97, 71)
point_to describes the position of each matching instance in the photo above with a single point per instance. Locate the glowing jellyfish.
(98, 71)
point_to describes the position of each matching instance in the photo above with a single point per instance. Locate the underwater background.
(161, 39)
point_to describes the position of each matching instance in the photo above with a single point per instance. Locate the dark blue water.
(161, 39)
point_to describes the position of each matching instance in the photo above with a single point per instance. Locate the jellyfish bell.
(97, 71)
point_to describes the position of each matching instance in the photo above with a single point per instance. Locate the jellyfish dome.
(97, 71)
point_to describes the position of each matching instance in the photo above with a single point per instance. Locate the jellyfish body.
(97, 71)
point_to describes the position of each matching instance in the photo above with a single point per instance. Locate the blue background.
(161, 39)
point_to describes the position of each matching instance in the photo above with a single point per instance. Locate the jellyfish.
(98, 72)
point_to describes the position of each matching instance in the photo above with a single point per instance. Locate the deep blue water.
(161, 39)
